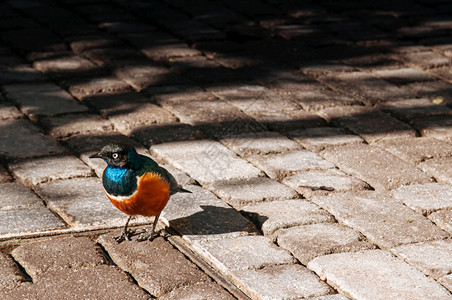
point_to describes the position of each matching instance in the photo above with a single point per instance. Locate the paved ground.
(315, 137)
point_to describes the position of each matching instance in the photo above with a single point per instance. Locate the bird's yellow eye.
(115, 155)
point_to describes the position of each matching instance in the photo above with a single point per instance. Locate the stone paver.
(202, 216)
(446, 281)
(34, 171)
(157, 274)
(81, 202)
(380, 169)
(425, 198)
(361, 120)
(67, 125)
(42, 99)
(30, 221)
(259, 143)
(414, 108)
(317, 139)
(310, 182)
(432, 258)
(438, 127)
(26, 141)
(391, 277)
(438, 168)
(384, 220)
(58, 254)
(14, 195)
(11, 276)
(274, 215)
(278, 166)
(101, 282)
(442, 218)
(205, 160)
(416, 150)
(307, 242)
(243, 192)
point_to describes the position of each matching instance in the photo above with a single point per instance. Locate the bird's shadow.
(213, 220)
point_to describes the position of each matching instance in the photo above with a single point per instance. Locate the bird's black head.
(116, 155)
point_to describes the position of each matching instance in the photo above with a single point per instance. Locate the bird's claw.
(145, 237)
(124, 236)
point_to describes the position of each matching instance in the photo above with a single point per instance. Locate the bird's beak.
(95, 155)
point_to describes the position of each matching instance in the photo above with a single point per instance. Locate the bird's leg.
(124, 234)
(150, 233)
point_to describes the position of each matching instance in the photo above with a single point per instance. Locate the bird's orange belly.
(149, 199)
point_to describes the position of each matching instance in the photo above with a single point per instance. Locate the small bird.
(136, 185)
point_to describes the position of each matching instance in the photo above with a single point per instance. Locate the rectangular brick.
(415, 108)
(438, 168)
(384, 220)
(20, 139)
(363, 120)
(71, 124)
(42, 99)
(205, 161)
(244, 192)
(391, 277)
(14, 195)
(30, 221)
(380, 169)
(65, 66)
(278, 166)
(416, 150)
(317, 139)
(307, 242)
(202, 216)
(432, 258)
(425, 198)
(439, 127)
(32, 172)
(271, 216)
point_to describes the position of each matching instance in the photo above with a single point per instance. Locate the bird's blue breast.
(119, 181)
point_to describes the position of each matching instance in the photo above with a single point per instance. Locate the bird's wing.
(149, 165)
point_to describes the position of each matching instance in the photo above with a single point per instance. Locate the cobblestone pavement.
(315, 136)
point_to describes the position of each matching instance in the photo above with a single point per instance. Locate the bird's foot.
(124, 236)
(145, 237)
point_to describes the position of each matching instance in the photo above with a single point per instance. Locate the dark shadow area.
(213, 220)
(313, 55)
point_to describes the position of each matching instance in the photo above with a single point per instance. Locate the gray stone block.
(82, 88)
(14, 195)
(361, 120)
(425, 198)
(439, 127)
(244, 192)
(274, 215)
(234, 255)
(380, 169)
(384, 220)
(442, 218)
(82, 203)
(432, 258)
(439, 168)
(414, 108)
(201, 215)
(391, 277)
(281, 282)
(20, 139)
(317, 139)
(278, 166)
(42, 99)
(55, 254)
(310, 182)
(310, 241)
(28, 221)
(259, 143)
(416, 150)
(205, 161)
(34, 171)
(67, 125)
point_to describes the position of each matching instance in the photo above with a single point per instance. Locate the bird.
(136, 185)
